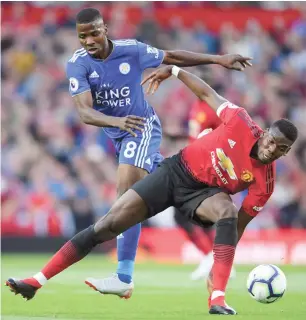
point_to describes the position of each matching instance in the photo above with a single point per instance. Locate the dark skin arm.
(183, 58)
(243, 220)
(90, 116)
(93, 117)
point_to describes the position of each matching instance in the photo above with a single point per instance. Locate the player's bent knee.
(218, 206)
(223, 207)
(228, 210)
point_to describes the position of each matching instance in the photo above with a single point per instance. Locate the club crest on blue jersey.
(124, 68)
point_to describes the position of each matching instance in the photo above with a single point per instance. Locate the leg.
(137, 158)
(243, 220)
(127, 242)
(221, 210)
(127, 211)
(121, 283)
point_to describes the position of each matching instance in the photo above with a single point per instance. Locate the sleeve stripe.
(76, 56)
(271, 182)
(269, 179)
(80, 93)
(126, 42)
(162, 60)
(221, 108)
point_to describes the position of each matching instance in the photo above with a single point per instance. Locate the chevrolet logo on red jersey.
(226, 163)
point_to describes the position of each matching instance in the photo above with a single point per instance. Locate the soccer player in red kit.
(238, 155)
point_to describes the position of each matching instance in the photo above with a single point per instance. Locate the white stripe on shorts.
(147, 143)
(146, 135)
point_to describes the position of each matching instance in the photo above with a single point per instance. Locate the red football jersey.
(222, 158)
(201, 117)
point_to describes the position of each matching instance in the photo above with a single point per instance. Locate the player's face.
(93, 37)
(272, 146)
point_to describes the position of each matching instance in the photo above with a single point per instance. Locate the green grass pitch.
(162, 292)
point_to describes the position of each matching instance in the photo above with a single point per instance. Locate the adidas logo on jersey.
(231, 143)
(148, 161)
(94, 75)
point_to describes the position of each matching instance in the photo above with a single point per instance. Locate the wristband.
(175, 71)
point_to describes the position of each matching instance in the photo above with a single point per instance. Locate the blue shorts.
(143, 151)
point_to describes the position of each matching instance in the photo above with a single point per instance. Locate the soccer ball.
(266, 283)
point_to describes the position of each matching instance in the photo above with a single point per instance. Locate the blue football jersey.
(115, 82)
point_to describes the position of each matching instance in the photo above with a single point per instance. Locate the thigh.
(190, 203)
(127, 176)
(142, 151)
(216, 207)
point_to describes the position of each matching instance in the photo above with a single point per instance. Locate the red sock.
(223, 262)
(201, 240)
(74, 250)
(64, 258)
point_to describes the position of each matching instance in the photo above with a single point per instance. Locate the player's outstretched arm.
(194, 83)
(243, 220)
(183, 58)
(91, 116)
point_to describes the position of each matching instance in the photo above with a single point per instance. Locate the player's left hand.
(234, 61)
(156, 78)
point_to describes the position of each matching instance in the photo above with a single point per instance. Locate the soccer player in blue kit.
(105, 83)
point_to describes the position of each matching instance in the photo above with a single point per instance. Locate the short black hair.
(88, 15)
(287, 128)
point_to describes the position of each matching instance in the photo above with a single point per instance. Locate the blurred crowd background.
(58, 175)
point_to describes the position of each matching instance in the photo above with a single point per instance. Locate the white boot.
(111, 285)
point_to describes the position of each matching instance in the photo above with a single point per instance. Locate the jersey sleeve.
(77, 75)
(149, 57)
(260, 192)
(238, 119)
(228, 110)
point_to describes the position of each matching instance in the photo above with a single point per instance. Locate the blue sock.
(127, 244)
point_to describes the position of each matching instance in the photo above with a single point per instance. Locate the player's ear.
(106, 29)
(264, 133)
(287, 151)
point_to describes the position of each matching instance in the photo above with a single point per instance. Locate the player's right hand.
(131, 122)
(234, 61)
